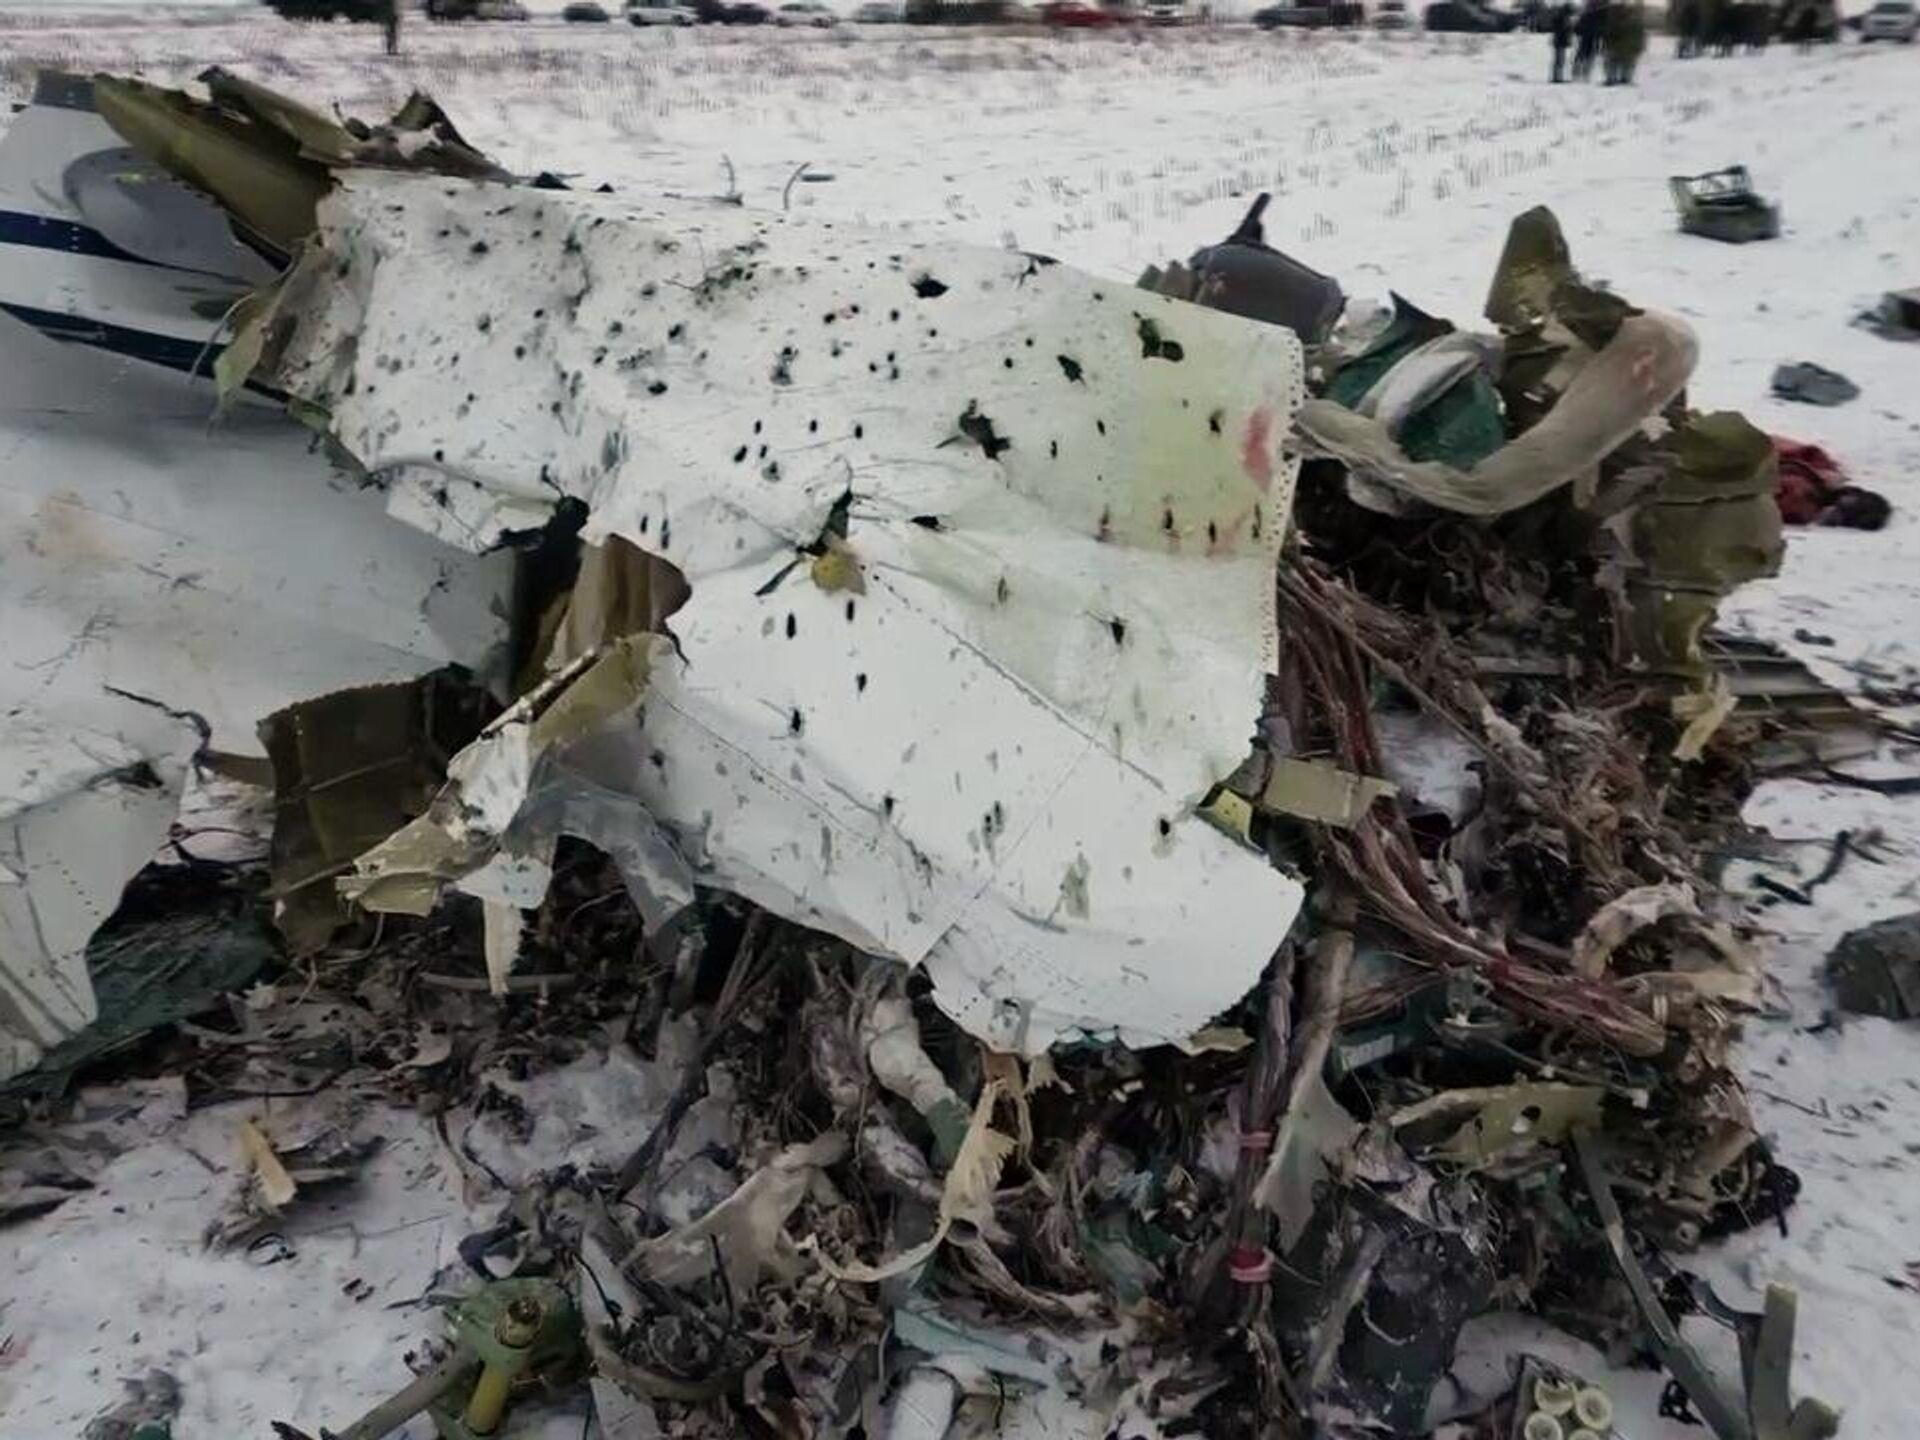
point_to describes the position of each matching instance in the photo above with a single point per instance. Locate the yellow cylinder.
(489, 1400)
(516, 1330)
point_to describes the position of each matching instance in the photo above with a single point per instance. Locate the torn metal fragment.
(1704, 710)
(267, 158)
(1761, 1408)
(350, 768)
(1481, 1124)
(506, 800)
(620, 590)
(1318, 791)
(1813, 384)
(954, 1345)
(988, 763)
(1243, 275)
(166, 587)
(966, 1194)
(1722, 205)
(1875, 970)
(1711, 525)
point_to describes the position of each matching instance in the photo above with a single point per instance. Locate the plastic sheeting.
(981, 747)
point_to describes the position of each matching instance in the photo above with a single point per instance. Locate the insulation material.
(1635, 374)
(747, 1230)
(1063, 500)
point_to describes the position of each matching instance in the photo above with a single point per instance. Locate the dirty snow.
(1396, 161)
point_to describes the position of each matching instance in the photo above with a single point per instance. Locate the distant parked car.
(1074, 15)
(362, 10)
(1309, 15)
(878, 12)
(500, 10)
(585, 12)
(1392, 15)
(746, 13)
(660, 12)
(807, 13)
(1890, 20)
(1467, 17)
(1169, 12)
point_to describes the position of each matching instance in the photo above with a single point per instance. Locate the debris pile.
(1123, 933)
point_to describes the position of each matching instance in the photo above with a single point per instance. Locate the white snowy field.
(1396, 163)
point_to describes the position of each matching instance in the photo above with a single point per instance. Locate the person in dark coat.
(1722, 26)
(1625, 39)
(1686, 27)
(1587, 31)
(1562, 40)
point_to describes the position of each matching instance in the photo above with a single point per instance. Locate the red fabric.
(1809, 478)
(1249, 1265)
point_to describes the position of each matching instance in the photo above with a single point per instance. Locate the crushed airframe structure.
(932, 646)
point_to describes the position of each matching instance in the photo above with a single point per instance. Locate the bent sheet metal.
(1063, 499)
(166, 585)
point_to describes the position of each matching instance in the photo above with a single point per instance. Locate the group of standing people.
(1613, 31)
(1720, 27)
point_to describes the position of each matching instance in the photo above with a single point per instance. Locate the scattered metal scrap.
(508, 1336)
(1813, 384)
(1875, 970)
(1896, 317)
(816, 673)
(1722, 205)
(151, 1406)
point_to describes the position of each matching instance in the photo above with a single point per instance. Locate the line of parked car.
(1471, 16)
(808, 14)
(803, 14)
(1896, 20)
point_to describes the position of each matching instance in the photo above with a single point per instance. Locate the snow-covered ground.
(1396, 162)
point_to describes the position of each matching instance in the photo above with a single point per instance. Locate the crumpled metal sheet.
(1711, 526)
(267, 157)
(166, 585)
(1063, 498)
(111, 250)
(165, 588)
(349, 768)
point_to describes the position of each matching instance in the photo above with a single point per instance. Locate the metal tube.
(390, 1415)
